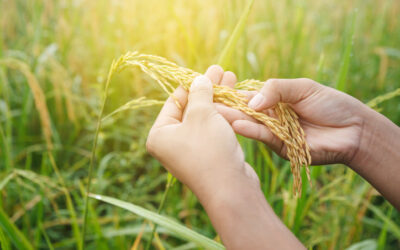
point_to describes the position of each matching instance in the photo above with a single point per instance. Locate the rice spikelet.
(287, 127)
(38, 95)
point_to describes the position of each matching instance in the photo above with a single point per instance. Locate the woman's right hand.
(332, 120)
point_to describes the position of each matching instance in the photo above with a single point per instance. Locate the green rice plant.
(390, 224)
(226, 54)
(174, 227)
(170, 182)
(141, 102)
(286, 127)
(341, 83)
(382, 98)
(4, 242)
(40, 99)
(281, 39)
(19, 240)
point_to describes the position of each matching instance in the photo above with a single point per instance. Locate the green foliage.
(226, 56)
(67, 47)
(177, 229)
(17, 237)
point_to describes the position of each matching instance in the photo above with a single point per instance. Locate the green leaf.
(345, 64)
(172, 226)
(17, 238)
(389, 223)
(228, 49)
(369, 244)
(4, 182)
(382, 98)
(4, 244)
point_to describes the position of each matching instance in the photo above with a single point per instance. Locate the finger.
(283, 90)
(231, 114)
(228, 79)
(170, 112)
(261, 133)
(214, 73)
(249, 94)
(200, 94)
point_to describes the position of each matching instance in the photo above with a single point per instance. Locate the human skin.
(338, 127)
(197, 144)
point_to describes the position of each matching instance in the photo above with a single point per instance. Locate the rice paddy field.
(55, 56)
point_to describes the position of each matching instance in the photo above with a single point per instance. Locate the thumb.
(201, 92)
(282, 90)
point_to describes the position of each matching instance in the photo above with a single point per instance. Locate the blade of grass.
(113, 68)
(4, 182)
(38, 94)
(171, 225)
(224, 58)
(4, 243)
(68, 200)
(382, 98)
(160, 207)
(134, 104)
(344, 67)
(46, 237)
(389, 223)
(363, 245)
(17, 238)
(383, 234)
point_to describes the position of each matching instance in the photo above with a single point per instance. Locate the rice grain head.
(287, 127)
(38, 96)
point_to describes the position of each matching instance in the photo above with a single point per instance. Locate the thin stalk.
(225, 57)
(160, 208)
(93, 153)
(70, 205)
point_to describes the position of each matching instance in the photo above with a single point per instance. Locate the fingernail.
(256, 101)
(200, 81)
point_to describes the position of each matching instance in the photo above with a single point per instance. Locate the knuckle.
(202, 91)
(271, 83)
(308, 82)
(230, 74)
(199, 109)
(216, 67)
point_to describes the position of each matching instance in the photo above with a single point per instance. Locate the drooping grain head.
(169, 75)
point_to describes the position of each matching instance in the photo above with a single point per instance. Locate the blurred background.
(54, 59)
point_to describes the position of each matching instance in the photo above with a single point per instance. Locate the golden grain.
(286, 127)
(38, 96)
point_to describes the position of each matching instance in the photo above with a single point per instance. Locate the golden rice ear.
(38, 96)
(287, 127)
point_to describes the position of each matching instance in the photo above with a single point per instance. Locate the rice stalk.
(227, 52)
(287, 127)
(38, 95)
(134, 104)
(170, 182)
(168, 74)
(345, 63)
(116, 65)
(64, 87)
(382, 98)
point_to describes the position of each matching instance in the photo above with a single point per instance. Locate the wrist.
(221, 182)
(242, 217)
(377, 158)
(377, 132)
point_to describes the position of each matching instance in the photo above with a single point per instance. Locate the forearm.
(243, 218)
(378, 156)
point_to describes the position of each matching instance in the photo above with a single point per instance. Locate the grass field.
(54, 60)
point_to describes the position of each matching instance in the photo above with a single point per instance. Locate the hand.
(195, 143)
(338, 127)
(198, 146)
(332, 120)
